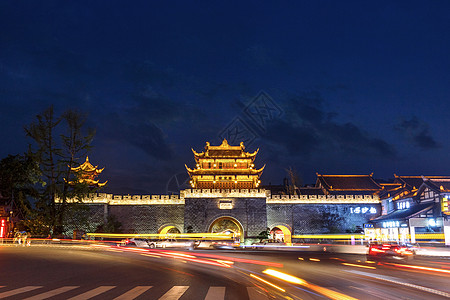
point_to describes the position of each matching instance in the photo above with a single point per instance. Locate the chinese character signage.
(363, 210)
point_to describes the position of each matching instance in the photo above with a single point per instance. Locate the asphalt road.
(103, 272)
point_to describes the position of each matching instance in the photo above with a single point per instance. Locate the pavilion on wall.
(86, 173)
(225, 167)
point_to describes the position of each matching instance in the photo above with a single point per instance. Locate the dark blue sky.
(358, 87)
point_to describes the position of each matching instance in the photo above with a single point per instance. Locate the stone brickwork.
(251, 213)
(326, 218)
(85, 219)
(148, 218)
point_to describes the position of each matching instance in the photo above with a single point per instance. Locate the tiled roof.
(415, 181)
(310, 191)
(439, 185)
(349, 183)
(275, 189)
(405, 213)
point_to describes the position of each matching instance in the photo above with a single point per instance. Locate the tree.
(74, 143)
(18, 175)
(56, 156)
(294, 181)
(42, 132)
(263, 235)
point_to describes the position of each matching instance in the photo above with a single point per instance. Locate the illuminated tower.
(225, 167)
(86, 173)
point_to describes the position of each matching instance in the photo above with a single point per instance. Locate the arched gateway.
(282, 233)
(229, 225)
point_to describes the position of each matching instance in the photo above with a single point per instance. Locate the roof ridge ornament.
(224, 143)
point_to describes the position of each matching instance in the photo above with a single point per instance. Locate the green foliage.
(59, 143)
(18, 175)
(264, 234)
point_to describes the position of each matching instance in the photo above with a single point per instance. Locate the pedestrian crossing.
(107, 292)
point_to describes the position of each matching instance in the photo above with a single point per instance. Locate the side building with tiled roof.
(413, 206)
(348, 184)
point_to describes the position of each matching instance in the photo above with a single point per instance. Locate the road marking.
(215, 293)
(93, 293)
(174, 293)
(133, 293)
(396, 281)
(18, 291)
(374, 292)
(255, 293)
(52, 293)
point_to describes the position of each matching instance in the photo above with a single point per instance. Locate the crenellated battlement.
(111, 199)
(322, 199)
(232, 193)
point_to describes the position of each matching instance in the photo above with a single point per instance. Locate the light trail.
(359, 266)
(267, 282)
(396, 281)
(420, 268)
(324, 291)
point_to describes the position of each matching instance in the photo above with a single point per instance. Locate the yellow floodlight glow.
(284, 276)
(329, 236)
(359, 266)
(314, 259)
(205, 235)
(267, 282)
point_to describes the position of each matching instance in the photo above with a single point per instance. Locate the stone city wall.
(322, 218)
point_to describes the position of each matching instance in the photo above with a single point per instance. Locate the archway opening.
(168, 229)
(228, 225)
(282, 234)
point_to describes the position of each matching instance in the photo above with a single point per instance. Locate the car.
(174, 243)
(203, 244)
(154, 243)
(267, 243)
(226, 245)
(390, 251)
(135, 242)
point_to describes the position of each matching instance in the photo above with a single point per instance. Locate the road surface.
(104, 272)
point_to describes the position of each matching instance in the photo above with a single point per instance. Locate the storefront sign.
(363, 210)
(403, 205)
(391, 224)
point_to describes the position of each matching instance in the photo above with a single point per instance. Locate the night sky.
(335, 87)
